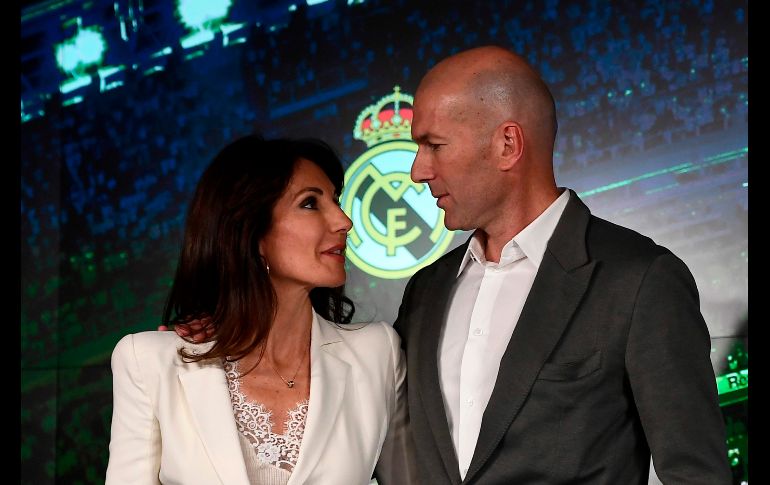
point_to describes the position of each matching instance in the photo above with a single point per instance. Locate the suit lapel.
(429, 389)
(329, 373)
(559, 286)
(208, 398)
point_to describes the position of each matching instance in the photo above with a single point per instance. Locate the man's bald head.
(490, 85)
(485, 125)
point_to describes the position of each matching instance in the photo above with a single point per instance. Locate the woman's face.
(305, 247)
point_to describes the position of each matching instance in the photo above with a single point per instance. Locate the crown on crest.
(390, 118)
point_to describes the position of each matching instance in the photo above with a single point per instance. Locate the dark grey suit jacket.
(609, 362)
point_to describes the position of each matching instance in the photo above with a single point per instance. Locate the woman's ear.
(265, 263)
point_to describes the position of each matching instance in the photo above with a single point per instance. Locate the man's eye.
(433, 146)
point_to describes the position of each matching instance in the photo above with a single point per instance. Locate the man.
(553, 347)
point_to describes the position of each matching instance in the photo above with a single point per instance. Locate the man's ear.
(512, 138)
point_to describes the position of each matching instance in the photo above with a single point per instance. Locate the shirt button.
(477, 332)
(469, 402)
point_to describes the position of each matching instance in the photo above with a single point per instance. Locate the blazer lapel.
(559, 286)
(429, 388)
(329, 374)
(209, 400)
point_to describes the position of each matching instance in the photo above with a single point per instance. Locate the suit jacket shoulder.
(158, 352)
(610, 240)
(371, 348)
(365, 336)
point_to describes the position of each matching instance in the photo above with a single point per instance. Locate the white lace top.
(255, 424)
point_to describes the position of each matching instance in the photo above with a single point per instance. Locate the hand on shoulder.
(197, 330)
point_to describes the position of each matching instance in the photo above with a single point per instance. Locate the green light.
(196, 38)
(105, 73)
(733, 387)
(676, 169)
(202, 14)
(229, 33)
(66, 57)
(83, 50)
(153, 70)
(71, 101)
(193, 55)
(91, 46)
(622, 183)
(110, 70)
(163, 52)
(43, 8)
(237, 40)
(72, 84)
(229, 28)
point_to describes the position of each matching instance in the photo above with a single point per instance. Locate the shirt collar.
(532, 240)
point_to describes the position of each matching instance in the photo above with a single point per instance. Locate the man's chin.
(453, 225)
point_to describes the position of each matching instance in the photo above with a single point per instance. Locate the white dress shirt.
(485, 307)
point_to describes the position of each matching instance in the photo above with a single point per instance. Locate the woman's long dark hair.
(221, 277)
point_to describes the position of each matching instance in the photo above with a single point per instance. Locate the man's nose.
(421, 169)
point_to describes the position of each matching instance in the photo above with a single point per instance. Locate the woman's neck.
(290, 333)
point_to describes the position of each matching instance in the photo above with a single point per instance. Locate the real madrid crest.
(397, 227)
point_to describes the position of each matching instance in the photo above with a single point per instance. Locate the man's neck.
(512, 221)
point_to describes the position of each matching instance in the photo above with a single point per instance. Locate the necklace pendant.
(290, 383)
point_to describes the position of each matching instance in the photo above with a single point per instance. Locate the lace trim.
(254, 422)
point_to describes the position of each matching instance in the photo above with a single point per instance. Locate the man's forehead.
(440, 106)
(432, 123)
(439, 98)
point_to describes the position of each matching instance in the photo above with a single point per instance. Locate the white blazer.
(173, 422)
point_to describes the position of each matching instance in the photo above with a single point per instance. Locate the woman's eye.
(309, 203)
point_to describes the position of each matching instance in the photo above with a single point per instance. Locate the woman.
(277, 391)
